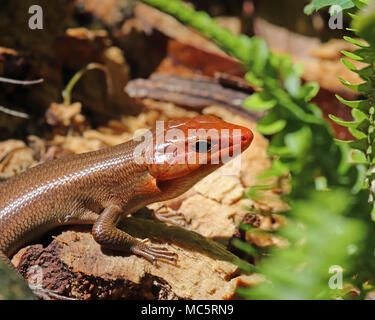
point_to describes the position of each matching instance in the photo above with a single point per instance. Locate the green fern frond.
(363, 110)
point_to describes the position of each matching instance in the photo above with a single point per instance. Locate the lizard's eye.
(202, 146)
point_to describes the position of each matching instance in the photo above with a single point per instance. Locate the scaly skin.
(100, 187)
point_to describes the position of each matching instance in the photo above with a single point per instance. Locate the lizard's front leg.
(106, 233)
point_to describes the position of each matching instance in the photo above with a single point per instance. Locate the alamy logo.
(335, 281)
(35, 280)
(36, 19)
(336, 21)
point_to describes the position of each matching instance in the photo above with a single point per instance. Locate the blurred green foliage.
(300, 271)
(12, 285)
(316, 5)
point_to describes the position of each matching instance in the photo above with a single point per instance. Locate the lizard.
(101, 187)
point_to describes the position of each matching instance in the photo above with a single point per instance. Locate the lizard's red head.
(186, 150)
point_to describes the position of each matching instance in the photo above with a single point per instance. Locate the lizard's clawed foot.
(154, 254)
(173, 218)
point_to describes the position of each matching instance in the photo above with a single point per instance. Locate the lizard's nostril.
(246, 137)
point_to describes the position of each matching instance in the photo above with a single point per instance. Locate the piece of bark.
(74, 265)
(195, 92)
(198, 59)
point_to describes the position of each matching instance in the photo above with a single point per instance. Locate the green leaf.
(256, 192)
(292, 84)
(363, 126)
(254, 79)
(316, 111)
(309, 9)
(347, 124)
(283, 151)
(309, 90)
(365, 24)
(363, 88)
(357, 134)
(355, 42)
(321, 183)
(361, 3)
(358, 156)
(360, 144)
(278, 169)
(294, 109)
(348, 64)
(362, 105)
(271, 128)
(259, 101)
(366, 73)
(299, 142)
(359, 115)
(245, 247)
(271, 123)
(260, 53)
(367, 55)
(351, 55)
(318, 4)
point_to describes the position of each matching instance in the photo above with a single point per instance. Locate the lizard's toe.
(155, 254)
(173, 218)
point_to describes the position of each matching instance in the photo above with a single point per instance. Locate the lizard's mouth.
(176, 186)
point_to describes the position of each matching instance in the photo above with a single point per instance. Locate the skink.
(100, 187)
